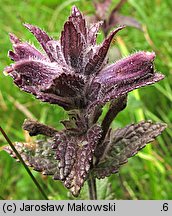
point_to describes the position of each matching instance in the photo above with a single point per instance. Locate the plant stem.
(25, 166)
(115, 107)
(92, 188)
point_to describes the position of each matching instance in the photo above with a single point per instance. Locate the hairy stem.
(25, 166)
(92, 188)
(115, 107)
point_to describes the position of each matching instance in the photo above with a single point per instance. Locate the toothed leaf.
(75, 154)
(38, 155)
(123, 144)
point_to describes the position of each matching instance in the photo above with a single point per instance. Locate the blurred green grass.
(147, 175)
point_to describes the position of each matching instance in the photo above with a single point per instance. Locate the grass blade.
(23, 163)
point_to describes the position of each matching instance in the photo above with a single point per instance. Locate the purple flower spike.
(75, 58)
(73, 73)
(71, 67)
(126, 75)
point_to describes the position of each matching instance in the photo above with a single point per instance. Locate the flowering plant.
(74, 74)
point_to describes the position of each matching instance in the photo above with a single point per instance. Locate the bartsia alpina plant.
(72, 72)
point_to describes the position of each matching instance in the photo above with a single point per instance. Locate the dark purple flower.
(74, 74)
(72, 68)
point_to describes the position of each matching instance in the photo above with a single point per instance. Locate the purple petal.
(79, 22)
(128, 74)
(72, 45)
(23, 50)
(14, 39)
(41, 36)
(96, 62)
(135, 65)
(27, 73)
(74, 39)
